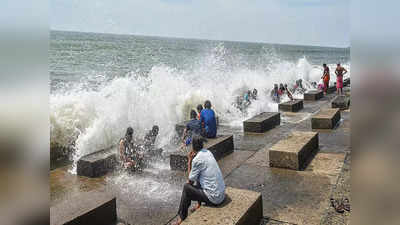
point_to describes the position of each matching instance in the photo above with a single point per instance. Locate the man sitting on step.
(203, 170)
(208, 121)
(149, 142)
(193, 127)
(129, 155)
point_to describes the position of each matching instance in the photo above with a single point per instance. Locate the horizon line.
(193, 38)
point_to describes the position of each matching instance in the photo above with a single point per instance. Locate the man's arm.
(194, 169)
(122, 151)
(184, 135)
(190, 160)
(344, 71)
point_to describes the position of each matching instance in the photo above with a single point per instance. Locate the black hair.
(155, 128)
(207, 104)
(338, 64)
(199, 107)
(324, 64)
(193, 114)
(197, 143)
(129, 131)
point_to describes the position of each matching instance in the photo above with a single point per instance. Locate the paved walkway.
(289, 197)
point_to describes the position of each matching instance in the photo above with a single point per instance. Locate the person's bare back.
(340, 71)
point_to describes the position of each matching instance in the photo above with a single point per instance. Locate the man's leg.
(189, 194)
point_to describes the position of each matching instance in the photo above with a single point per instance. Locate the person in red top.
(326, 77)
(199, 108)
(340, 71)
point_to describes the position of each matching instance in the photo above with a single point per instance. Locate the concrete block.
(341, 101)
(313, 95)
(98, 163)
(294, 151)
(220, 146)
(291, 106)
(325, 119)
(87, 208)
(262, 122)
(241, 207)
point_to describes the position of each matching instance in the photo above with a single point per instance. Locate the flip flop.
(338, 207)
(346, 204)
(192, 210)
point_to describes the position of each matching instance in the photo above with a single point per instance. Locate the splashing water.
(90, 119)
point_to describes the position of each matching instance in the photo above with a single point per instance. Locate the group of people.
(202, 123)
(244, 101)
(340, 72)
(277, 92)
(133, 152)
(205, 181)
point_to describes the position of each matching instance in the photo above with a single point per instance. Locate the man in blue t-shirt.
(193, 127)
(208, 121)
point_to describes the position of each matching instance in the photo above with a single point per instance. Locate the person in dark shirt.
(275, 94)
(254, 94)
(150, 139)
(130, 157)
(208, 121)
(192, 127)
(288, 92)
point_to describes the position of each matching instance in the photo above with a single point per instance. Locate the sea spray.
(94, 115)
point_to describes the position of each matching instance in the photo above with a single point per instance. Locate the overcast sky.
(301, 22)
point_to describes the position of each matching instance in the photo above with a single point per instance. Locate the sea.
(103, 83)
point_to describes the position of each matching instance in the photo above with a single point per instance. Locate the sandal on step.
(339, 207)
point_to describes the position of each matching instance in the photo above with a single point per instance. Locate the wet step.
(220, 146)
(86, 208)
(341, 101)
(325, 119)
(241, 207)
(262, 122)
(294, 151)
(98, 163)
(313, 95)
(291, 106)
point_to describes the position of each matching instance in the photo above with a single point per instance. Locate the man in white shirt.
(204, 170)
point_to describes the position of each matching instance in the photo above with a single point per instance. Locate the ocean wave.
(89, 119)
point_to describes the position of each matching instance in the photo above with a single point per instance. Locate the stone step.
(293, 152)
(325, 119)
(241, 207)
(262, 122)
(98, 163)
(341, 101)
(313, 95)
(220, 146)
(97, 208)
(291, 106)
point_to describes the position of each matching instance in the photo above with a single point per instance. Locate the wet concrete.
(292, 197)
